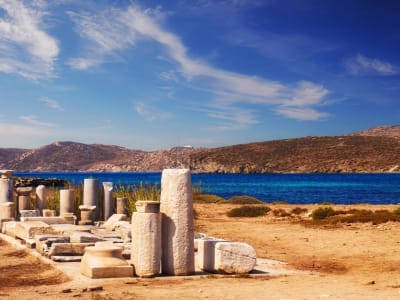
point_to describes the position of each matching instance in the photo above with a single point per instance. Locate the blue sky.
(157, 74)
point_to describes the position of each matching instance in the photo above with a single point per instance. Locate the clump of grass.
(278, 202)
(248, 211)
(243, 200)
(280, 212)
(207, 198)
(397, 211)
(298, 210)
(322, 213)
(326, 203)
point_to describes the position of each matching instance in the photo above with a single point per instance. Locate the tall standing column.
(146, 238)
(177, 222)
(67, 201)
(41, 198)
(91, 193)
(108, 199)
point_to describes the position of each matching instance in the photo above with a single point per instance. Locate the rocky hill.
(373, 150)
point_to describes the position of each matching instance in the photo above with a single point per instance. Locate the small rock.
(66, 291)
(372, 282)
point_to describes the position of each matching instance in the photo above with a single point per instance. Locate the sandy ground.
(351, 261)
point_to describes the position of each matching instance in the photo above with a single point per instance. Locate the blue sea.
(291, 188)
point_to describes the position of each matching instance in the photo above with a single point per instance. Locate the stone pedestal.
(41, 198)
(91, 193)
(146, 239)
(104, 262)
(177, 222)
(6, 190)
(48, 213)
(122, 203)
(87, 214)
(108, 199)
(24, 198)
(7, 211)
(67, 202)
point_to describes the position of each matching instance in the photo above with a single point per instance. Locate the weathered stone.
(106, 234)
(7, 210)
(121, 204)
(177, 222)
(83, 237)
(68, 249)
(66, 229)
(65, 258)
(105, 262)
(48, 213)
(146, 245)
(41, 198)
(8, 227)
(91, 194)
(30, 243)
(67, 201)
(197, 237)
(147, 206)
(124, 229)
(6, 190)
(24, 203)
(50, 220)
(28, 229)
(6, 173)
(44, 242)
(226, 257)
(113, 221)
(87, 215)
(29, 213)
(108, 200)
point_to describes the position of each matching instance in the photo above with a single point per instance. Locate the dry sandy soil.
(348, 261)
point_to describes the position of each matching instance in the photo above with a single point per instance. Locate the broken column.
(122, 203)
(91, 193)
(41, 198)
(104, 262)
(177, 222)
(67, 202)
(108, 199)
(87, 214)
(146, 238)
(6, 186)
(24, 198)
(7, 211)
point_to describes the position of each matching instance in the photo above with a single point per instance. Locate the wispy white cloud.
(300, 113)
(115, 29)
(365, 65)
(25, 47)
(32, 120)
(150, 113)
(10, 130)
(51, 103)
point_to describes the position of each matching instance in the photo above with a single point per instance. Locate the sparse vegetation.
(298, 210)
(280, 212)
(322, 213)
(243, 200)
(247, 211)
(207, 198)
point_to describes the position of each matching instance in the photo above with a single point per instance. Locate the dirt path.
(358, 261)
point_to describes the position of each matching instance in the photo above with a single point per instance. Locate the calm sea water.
(292, 188)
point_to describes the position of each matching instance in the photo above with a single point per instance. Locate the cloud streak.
(25, 48)
(365, 65)
(51, 103)
(32, 120)
(150, 113)
(115, 29)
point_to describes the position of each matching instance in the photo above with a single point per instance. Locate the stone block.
(29, 213)
(28, 229)
(83, 237)
(48, 213)
(147, 206)
(113, 221)
(106, 234)
(226, 257)
(68, 228)
(50, 220)
(197, 237)
(105, 262)
(64, 258)
(124, 229)
(8, 228)
(44, 242)
(68, 249)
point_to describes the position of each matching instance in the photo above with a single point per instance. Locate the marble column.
(122, 203)
(41, 198)
(67, 201)
(87, 214)
(24, 198)
(6, 186)
(7, 211)
(146, 239)
(177, 222)
(108, 199)
(91, 193)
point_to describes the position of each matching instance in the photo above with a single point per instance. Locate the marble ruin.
(158, 240)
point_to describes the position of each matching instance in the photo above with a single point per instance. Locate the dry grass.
(243, 200)
(248, 211)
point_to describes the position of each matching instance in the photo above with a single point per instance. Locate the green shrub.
(207, 198)
(397, 211)
(243, 200)
(248, 211)
(322, 213)
(299, 210)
